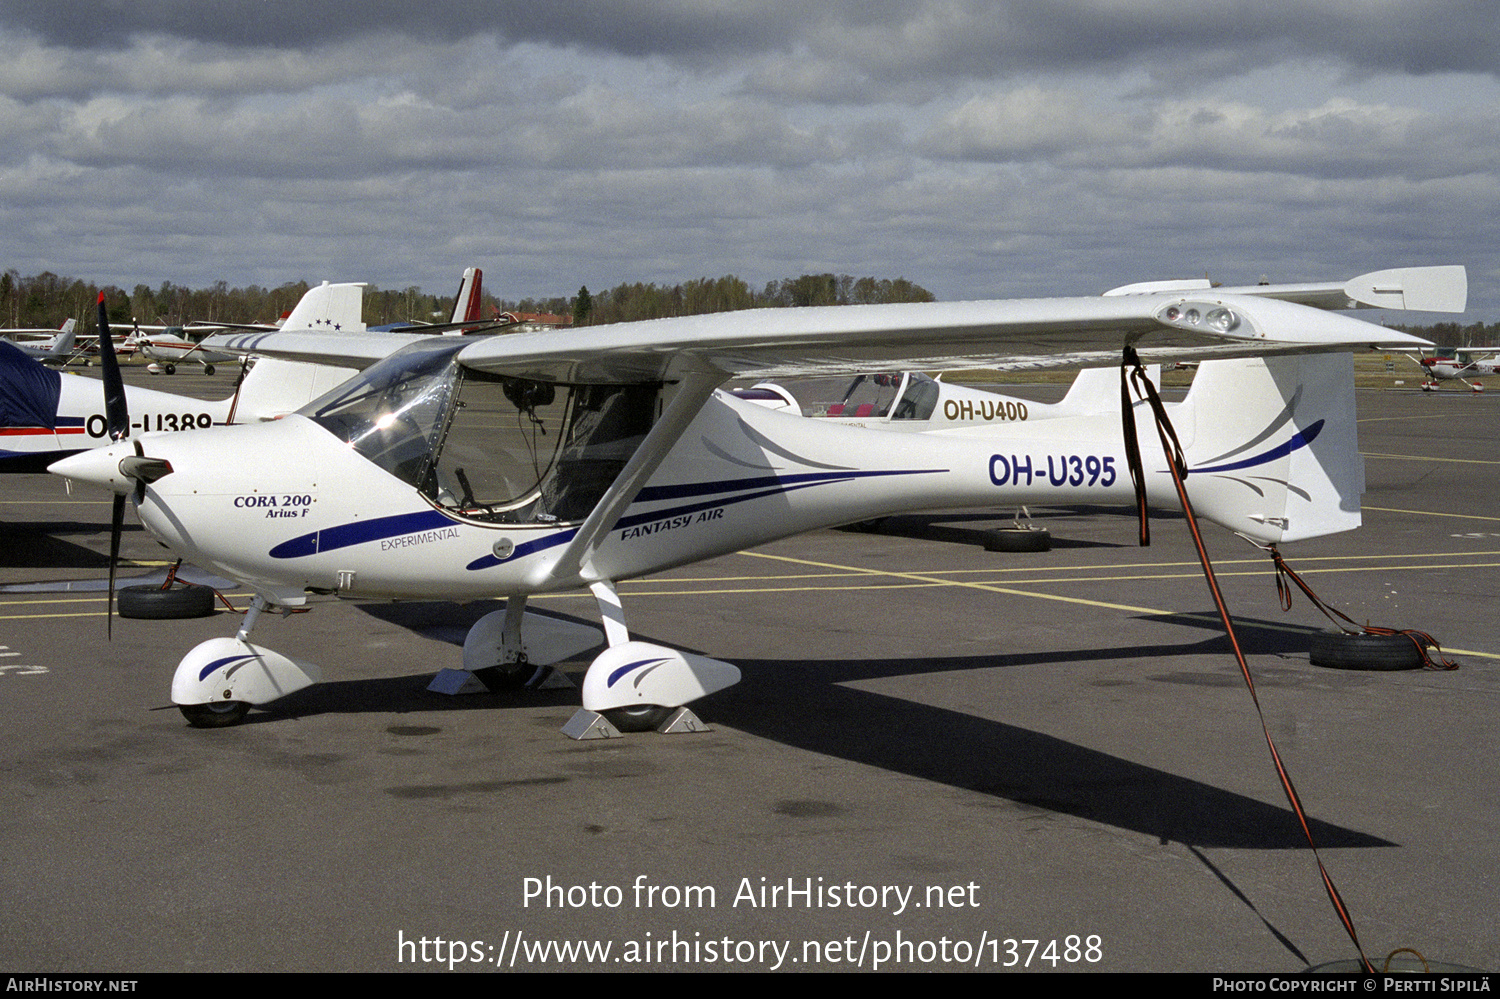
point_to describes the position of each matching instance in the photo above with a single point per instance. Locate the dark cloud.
(890, 37)
(982, 148)
(660, 27)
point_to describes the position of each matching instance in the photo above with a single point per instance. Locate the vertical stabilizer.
(329, 308)
(275, 387)
(1271, 445)
(466, 305)
(62, 344)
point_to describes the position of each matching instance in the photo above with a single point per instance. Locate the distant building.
(528, 322)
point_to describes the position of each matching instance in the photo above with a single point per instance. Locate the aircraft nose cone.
(98, 467)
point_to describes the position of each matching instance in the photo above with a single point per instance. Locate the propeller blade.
(116, 524)
(115, 412)
(117, 416)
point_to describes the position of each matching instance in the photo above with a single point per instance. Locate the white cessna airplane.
(1460, 365)
(462, 468)
(166, 347)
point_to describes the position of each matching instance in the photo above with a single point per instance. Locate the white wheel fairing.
(635, 674)
(227, 669)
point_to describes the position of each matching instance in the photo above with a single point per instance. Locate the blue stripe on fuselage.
(1298, 440)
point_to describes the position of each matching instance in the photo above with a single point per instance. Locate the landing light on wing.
(1219, 319)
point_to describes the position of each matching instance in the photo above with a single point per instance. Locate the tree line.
(1455, 334)
(45, 300)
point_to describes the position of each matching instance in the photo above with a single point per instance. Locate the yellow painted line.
(49, 617)
(1086, 568)
(29, 617)
(1398, 419)
(1431, 513)
(53, 502)
(99, 598)
(1037, 581)
(937, 575)
(1428, 457)
(666, 587)
(55, 600)
(976, 586)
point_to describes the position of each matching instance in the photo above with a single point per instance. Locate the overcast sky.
(981, 149)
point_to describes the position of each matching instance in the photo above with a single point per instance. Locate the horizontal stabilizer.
(1415, 289)
(1423, 289)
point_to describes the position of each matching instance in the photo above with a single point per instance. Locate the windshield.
(485, 446)
(918, 400)
(392, 411)
(520, 451)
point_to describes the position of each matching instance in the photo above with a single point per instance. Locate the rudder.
(1272, 447)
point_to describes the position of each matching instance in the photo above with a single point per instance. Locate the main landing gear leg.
(218, 680)
(497, 656)
(635, 686)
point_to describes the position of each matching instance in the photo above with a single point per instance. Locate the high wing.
(442, 473)
(1012, 334)
(1004, 335)
(351, 350)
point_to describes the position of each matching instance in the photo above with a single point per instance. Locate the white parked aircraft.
(1458, 365)
(166, 348)
(48, 346)
(457, 468)
(45, 415)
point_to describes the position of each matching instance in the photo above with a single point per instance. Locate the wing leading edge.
(1008, 334)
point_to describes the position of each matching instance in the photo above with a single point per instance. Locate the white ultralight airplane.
(462, 468)
(46, 415)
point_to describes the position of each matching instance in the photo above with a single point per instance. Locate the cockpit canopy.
(489, 447)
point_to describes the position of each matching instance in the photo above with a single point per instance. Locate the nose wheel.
(637, 718)
(218, 714)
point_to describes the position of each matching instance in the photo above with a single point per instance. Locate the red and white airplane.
(1458, 365)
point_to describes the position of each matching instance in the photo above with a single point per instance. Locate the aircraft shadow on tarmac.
(41, 545)
(806, 704)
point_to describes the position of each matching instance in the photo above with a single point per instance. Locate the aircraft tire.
(505, 676)
(637, 718)
(1017, 539)
(1338, 650)
(170, 369)
(153, 603)
(208, 369)
(220, 714)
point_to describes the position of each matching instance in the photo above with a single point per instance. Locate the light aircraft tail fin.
(68, 326)
(1271, 445)
(466, 305)
(273, 388)
(1095, 391)
(62, 344)
(329, 308)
